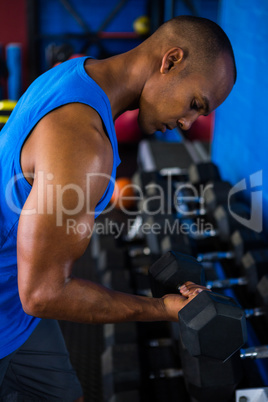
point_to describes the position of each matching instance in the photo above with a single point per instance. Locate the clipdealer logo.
(255, 222)
(51, 197)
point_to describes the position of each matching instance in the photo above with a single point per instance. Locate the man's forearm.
(84, 301)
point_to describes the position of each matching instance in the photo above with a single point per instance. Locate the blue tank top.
(66, 83)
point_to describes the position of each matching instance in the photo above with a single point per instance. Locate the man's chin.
(146, 129)
(151, 132)
(145, 126)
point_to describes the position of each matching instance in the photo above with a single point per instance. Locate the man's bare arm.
(47, 250)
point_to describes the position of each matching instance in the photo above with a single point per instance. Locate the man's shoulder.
(72, 139)
(75, 126)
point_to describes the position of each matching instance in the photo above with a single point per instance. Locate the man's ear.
(171, 58)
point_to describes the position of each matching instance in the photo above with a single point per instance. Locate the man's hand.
(174, 303)
(190, 289)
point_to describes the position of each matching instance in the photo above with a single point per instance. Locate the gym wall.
(13, 29)
(240, 135)
(240, 125)
(201, 8)
(57, 25)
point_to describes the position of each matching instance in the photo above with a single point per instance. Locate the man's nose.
(186, 123)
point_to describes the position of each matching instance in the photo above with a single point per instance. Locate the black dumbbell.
(211, 325)
(253, 266)
(119, 333)
(182, 243)
(203, 172)
(219, 223)
(222, 223)
(111, 269)
(169, 279)
(261, 299)
(208, 380)
(262, 291)
(158, 227)
(118, 237)
(241, 241)
(143, 180)
(166, 384)
(181, 199)
(154, 228)
(163, 233)
(199, 173)
(158, 188)
(250, 280)
(118, 258)
(120, 370)
(214, 194)
(161, 371)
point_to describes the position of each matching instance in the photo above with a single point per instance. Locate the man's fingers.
(190, 288)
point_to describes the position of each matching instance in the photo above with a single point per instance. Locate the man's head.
(194, 72)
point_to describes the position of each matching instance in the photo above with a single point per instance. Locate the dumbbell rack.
(136, 362)
(257, 329)
(147, 353)
(161, 375)
(136, 357)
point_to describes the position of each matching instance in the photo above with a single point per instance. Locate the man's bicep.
(58, 217)
(51, 236)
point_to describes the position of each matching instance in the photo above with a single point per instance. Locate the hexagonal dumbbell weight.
(211, 325)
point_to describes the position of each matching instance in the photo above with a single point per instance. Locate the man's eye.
(195, 105)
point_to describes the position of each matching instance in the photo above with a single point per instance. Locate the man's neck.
(121, 78)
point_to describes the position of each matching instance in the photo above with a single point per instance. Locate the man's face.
(172, 99)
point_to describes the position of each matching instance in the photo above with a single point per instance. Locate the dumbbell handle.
(255, 312)
(226, 283)
(185, 199)
(203, 235)
(134, 231)
(160, 342)
(255, 352)
(191, 214)
(166, 373)
(139, 252)
(215, 256)
(173, 171)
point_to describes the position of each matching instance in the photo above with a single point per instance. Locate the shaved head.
(202, 41)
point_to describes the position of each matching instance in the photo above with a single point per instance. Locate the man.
(58, 159)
